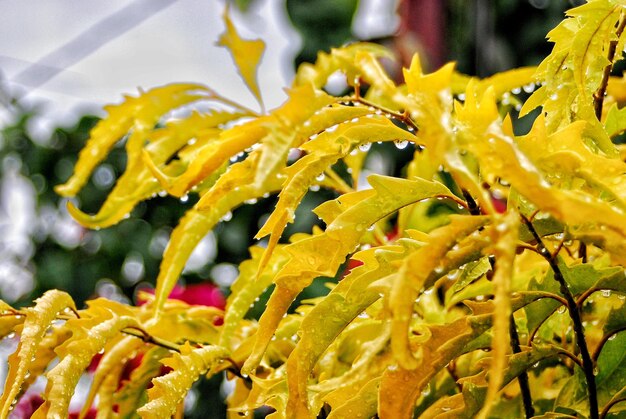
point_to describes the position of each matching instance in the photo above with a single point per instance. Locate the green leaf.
(133, 393)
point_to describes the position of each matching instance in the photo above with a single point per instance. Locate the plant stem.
(472, 206)
(604, 340)
(523, 377)
(146, 337)
(616, 399)
(404, 117)
(598, 96)
(574, 313)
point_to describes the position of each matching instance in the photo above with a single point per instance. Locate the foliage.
(508, 302)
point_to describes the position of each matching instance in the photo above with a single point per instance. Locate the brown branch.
(598, 96)
(148, 338)
(403, 117)
(575, 315)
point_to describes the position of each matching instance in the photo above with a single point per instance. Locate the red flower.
(204, 294)
(200, 294)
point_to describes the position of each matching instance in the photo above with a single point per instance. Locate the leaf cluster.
(510, 302)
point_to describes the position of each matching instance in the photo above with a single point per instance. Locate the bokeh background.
(61, 61)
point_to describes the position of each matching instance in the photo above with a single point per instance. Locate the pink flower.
(204, 294)
(199, 294)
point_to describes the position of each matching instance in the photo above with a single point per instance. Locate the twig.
(403, 117)
(582, 252)
(472, 206)
(574, 313)
(598, 96)
(614, 400)
(148, 338)
(523, 377)
(605, 338)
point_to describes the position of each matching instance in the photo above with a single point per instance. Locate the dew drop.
(365, 147)
(401, 144)
(314, 188)
(528, 88)
(184, 198)
(612, 337)
(561, 310)
(606, 293)
(228, 216)
(516, 90)
(320, 177)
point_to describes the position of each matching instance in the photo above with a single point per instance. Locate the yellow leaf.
(329, 317)
(90, 334)
(418, 272)
(114, 356)
(231, 190)
(38, 319)
(363, 405)
(506, 237)
(138, 182)
(136, 113)
(248, 286)
(246, 54)
(321, 255)
(170, 389)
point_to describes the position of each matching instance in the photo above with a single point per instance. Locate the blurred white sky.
(154, 42)
(175, 43)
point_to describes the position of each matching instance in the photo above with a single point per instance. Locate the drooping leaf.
(329, 317)
(90, 334)
(138, 182)
(139, 114)
(231, 190)
(112, 358)
(247, 288)
(324, 151)
(418, 272)
(504, 252)
(170, 389)
(38, 319)
(322, 255)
